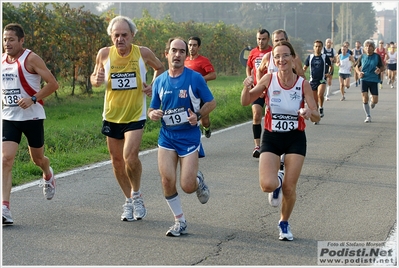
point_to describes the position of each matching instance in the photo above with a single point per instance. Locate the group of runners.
(182, 101)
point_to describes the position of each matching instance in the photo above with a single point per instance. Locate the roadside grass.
(73, 127)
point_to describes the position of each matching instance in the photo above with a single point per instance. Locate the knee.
(168, 185)
(289, 191)
(268, 187)
(8, 162)
(188, 186)
(257, 115)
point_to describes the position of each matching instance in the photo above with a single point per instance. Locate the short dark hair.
(196, 38)
(170, 40)
(262, 31)
(318, 41)
(17, 28)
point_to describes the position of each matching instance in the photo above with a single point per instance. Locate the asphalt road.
(347, 191)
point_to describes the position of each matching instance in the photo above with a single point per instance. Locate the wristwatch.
(198, 116)
(33, 99)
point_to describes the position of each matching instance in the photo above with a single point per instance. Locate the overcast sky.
(387, 5)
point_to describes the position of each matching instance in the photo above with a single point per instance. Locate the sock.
(279, 183)
(48, 177)
(7, 204)
(257, 130)
(282, 157)
(136, 194)
(129, 200)
(175, 206)
(328, 90)
(366, 108)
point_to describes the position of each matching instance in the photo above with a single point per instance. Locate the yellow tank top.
(124, 100)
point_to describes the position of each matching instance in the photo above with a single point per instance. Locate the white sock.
(174, 204)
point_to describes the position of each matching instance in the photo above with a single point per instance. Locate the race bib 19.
(176, 116)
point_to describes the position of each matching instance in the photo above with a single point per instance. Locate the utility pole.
(332, 23)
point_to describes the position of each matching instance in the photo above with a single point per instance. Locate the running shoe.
(203, 193)
(368, 119)
(276, 196)
(321, 110)
(179, 228)
(139, 210)
(7, 218)
(127, 214)
(356, 83)
(327, 98)
(48, 186)
(207, 132)
(256, 152)
(343, 98)
(285, 231)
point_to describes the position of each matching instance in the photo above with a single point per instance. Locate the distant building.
(386, 26)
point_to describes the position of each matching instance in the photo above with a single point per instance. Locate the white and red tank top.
(17, 82)
(283, 105)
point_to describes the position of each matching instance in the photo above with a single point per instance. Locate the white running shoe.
(139, 210)
(276, 196)
(203, 193)
(285, 231)
(7, 218)
(48, 186)
(368, 119)
(179, 228)
(127, 214)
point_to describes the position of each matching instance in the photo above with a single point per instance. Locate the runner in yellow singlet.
(123, 69)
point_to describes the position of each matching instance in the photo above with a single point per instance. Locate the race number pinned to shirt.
(176, 116)
(11, 96)
(284, 122)
(123, 81)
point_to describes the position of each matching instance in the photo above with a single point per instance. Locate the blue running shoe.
(285, 231)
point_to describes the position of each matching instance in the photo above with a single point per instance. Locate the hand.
(147, 89)
(155, 114)
(305, 113)
(100, 77)
(25, 103)
(192, 117)
(248, 82)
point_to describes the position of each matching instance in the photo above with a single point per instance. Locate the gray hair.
(369, 42)
(131, 24)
